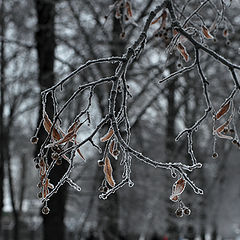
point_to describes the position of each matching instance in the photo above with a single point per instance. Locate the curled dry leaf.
(156, 20)
(175, 32)
(164, 19)
(80, 154)
(206, 32)
(111, 146)
(224, 109)
(75, 126)
(225, 32)
(221, 128)
(220, 135)
(48, 125)
(183, 51)
(177, 189)
(108, 172)
(107, 136)
(129, 9)
(113, 149)
(67, 137)
(179, 186)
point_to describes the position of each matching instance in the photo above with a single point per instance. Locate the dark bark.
(191, 234)
(12, 195)
(203, 233)
(45, 41)
(22, 181)
(2, 134)
(172, 227)
(214, 233)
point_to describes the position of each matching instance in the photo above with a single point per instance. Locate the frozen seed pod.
(34, 140)
(45, 210)
(179, 65)
(187, 211)
(234, 141)
(215, 155)
(231, 130)
(105, 189)
(225, 130)
(179, 212)
(116, 152)
(101, 189)
(100, 163)
(122, 35)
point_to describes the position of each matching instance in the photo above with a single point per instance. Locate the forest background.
(42, 41)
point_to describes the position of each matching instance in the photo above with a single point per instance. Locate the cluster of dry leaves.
(113, 151)
(177, 189)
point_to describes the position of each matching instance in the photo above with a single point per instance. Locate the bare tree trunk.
(12, 192)
(2, 135)
(214, 233)
(172, 227)
(22, 181)
(45, 39)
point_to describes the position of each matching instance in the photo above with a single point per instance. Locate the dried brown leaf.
(221, 128)
(225, 32)
(108, 172)
(224, 109)
(156, 20)
(183, 51)
(175, 32)
(75, 126)
(220, 135)
(47, 125)
(206, 32)
(68, 137)
(107, 136)
(129, 9)
(80, 154)
(178, 187)
(164, 19)
(111, 147)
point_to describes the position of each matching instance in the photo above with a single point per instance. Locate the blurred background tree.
(43, 41)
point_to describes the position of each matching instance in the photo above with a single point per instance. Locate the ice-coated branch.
(63, 145)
